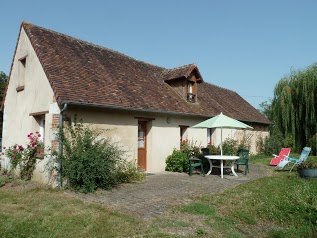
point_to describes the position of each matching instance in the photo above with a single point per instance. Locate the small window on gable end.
(21, 68)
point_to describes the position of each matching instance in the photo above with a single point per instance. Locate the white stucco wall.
(37, 96)
(163, 133)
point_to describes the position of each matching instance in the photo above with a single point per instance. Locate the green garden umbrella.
(222, 121)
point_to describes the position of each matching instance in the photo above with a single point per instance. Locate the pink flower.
(39, 135)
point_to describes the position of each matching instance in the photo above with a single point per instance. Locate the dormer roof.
(182, 71)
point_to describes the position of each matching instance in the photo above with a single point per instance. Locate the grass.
(282, 205)
(41, 212)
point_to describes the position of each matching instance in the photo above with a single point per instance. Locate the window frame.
(21, 73)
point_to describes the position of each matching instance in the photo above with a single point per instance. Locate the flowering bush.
(307, 165)
(24, 156)
(187, 145)
(184, 144)
(14, 153)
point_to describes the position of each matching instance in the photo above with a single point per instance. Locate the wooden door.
(142, 145)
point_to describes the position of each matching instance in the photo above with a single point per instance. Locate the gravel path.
(151, 197)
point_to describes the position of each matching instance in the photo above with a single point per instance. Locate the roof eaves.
(93, 105)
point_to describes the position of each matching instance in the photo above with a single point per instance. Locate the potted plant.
(307, 169)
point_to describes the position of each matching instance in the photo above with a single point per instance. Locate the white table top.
(222, 157)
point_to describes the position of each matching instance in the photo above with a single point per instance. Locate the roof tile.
(79, 71)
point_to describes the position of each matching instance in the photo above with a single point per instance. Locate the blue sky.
(246, 46)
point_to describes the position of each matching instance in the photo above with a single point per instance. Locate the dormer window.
(191, 91)
(184, 81)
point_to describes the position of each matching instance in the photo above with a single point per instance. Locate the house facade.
(145, 108)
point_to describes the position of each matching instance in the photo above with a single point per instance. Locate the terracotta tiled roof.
(79, 71)
(179, 72)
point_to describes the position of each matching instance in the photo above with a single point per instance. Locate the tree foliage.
(3, 83)
(294, 108)
(266, 109)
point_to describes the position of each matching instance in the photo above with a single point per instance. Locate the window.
(209, 141)
(22, 65)
(191, 91)
(183, 132)
(210, 131)
(190, 87)
(40, 126)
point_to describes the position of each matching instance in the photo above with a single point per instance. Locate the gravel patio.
(151, 197)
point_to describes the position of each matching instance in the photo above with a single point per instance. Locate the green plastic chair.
(243, 160)
(194, 162)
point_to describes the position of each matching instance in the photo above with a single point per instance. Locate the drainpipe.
(60, 147)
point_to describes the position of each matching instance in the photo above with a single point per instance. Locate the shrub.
(229, 147)
(128, 173)
(24, 157)
(187, 145)
(213, 150)
(273, 144)
(177, 162)
(90, 162)
(14, 153)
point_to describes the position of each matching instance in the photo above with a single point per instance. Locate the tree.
(3, 83)
(294, 108)
(266, 109)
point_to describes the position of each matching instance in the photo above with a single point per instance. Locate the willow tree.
(294, 108)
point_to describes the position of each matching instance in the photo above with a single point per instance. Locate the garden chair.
(194, 162)
(243, 160)
(277, 158)
(205, 151)
(302, 158)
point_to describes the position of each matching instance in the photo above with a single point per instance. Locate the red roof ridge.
(192, 66)
(214, 85)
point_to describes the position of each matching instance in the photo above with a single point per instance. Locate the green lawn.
(283, 205)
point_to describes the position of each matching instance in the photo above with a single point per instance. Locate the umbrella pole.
(221, 142)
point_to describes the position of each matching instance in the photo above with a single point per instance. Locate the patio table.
(222, 158)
